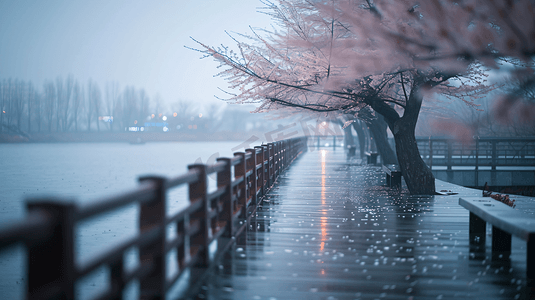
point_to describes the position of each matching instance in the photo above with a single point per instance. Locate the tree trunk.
(349, 140)
(417, 175)
(357, 125)
(378, 131)
(348, 137)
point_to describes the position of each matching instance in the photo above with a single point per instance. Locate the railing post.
(279, 158)
(265, 167)
(198, 192)
(450, 150)
(251, 165)
(152, 215)
(275, 160)
(116, 278)
(224, 180)
(283, 155)
(494, 155)
(260, 160)
(477, 163)
(51, 272)
(271, 163)
(430, 153)
(240, 170)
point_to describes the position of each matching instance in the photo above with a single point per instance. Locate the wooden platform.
(331, 230)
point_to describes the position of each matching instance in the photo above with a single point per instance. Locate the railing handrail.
(484, 138)
(209, 215)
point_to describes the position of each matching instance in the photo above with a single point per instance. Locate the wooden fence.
(48, 229)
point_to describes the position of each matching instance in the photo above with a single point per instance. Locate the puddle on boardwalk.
(330, 230)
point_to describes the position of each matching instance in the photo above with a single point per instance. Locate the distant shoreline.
(127, 137)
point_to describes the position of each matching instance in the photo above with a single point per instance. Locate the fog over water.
(86, 171)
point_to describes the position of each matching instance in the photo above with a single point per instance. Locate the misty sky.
(138, 43)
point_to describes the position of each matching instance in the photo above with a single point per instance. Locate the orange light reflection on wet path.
(323, 219)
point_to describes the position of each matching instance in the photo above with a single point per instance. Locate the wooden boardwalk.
(330, 230)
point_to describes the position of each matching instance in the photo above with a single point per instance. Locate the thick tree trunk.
(378, 131)
(417, 175)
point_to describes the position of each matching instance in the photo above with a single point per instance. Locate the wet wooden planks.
(330, 230)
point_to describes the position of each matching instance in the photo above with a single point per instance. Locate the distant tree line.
(67, 105)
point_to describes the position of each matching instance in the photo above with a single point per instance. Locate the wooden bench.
(393, 175)
(372, 157)
(505, 222)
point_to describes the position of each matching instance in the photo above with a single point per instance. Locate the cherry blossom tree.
(350, 56)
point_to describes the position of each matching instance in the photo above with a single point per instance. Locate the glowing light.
(324, 123)
(200, 115)
(323, 220)
(152, 116)
(175, 114)
(4, 111)
(164, 118)
(160, 115)
(107, 119)
(165, 129)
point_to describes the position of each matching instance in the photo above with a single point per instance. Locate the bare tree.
(182, 112)
(66, 102)
(50, 103)
(144, 104)
(130, 106)
(96, 97)
(77, 103)
(60, 98)
(112, 101)
(19, 101)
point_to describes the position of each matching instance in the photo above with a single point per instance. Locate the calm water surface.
(84, 172)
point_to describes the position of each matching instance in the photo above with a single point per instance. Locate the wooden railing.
(485, 151)
(448, 152)
(48, 230)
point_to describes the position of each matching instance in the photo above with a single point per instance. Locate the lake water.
(83, 172)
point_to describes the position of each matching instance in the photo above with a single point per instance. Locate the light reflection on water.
(87, 171)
